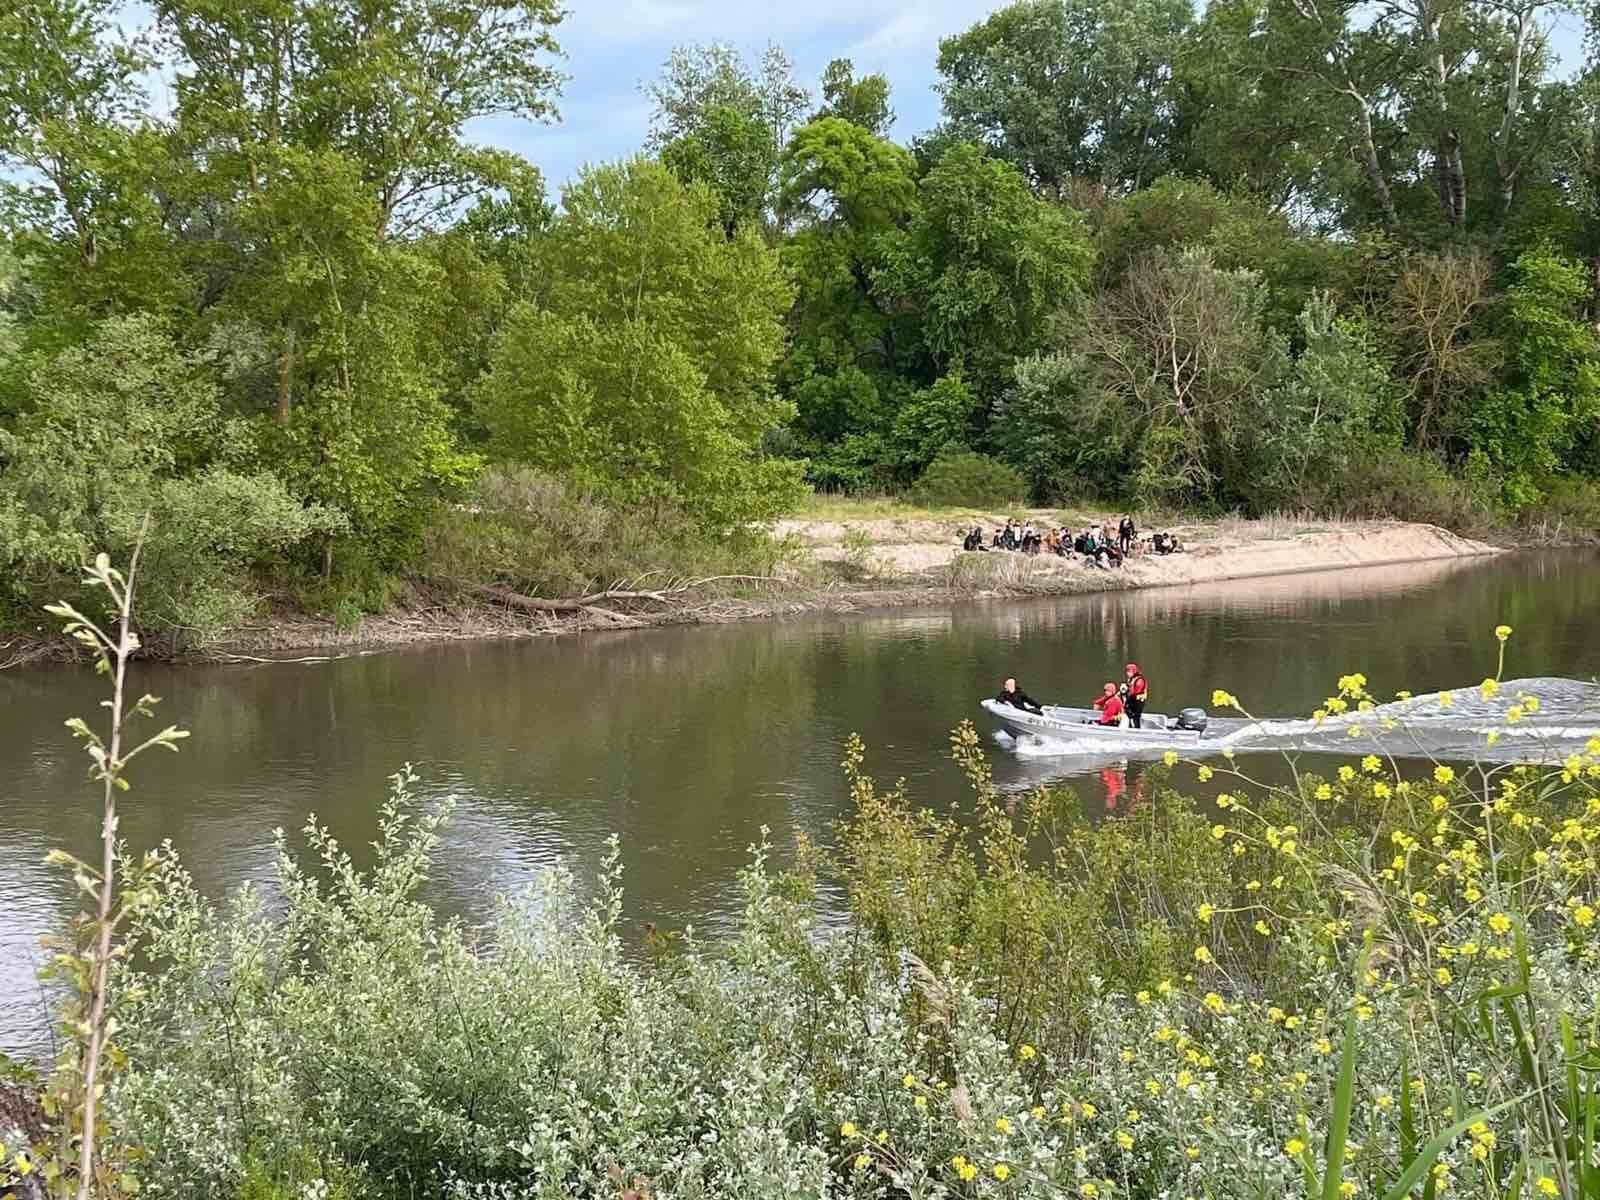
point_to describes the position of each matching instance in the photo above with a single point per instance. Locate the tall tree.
(644, 369)
(1069, 89)
(863, 102)
(722, 122)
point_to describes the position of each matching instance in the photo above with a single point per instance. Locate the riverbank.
(843, 557)
(881, 557)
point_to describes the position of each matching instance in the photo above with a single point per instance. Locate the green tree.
(863, 102)
(722, 122)
(1336, 404)
(985, 264)
(843, 192)
(1068, 89)
(124, 426)
(1548, 395)
(644, 370)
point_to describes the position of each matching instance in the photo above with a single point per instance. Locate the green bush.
(1409, 486)
(959, 477)
(127, 427)
(534, 533)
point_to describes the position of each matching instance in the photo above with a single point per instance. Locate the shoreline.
(913, 562)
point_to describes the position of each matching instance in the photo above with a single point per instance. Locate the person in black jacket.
(1013, 695)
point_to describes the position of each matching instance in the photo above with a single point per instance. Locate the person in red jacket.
(1135, 692)
(1109, 705)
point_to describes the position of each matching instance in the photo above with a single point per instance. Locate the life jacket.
(1139, 687)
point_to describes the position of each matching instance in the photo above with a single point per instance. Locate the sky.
(611, 46)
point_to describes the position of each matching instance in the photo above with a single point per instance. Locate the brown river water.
(686, 742)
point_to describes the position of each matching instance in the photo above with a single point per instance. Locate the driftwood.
(594, 604)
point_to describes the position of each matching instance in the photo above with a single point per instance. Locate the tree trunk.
(1369, 159)
(285, 376)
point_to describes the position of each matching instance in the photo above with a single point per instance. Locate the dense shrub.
(125, 428)
(537, 534)
(959, 476)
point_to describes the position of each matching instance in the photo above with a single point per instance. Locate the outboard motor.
(1193, 719)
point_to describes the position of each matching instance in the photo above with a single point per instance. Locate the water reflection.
(687, 742)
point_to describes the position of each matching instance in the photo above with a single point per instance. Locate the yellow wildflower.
(1088, 1191)
(1170, 758)
(1489, 689)
(910, 1080)
(1443, 773)
(921, 1102)
(1219, 832)
(1500, 923)
(1294, 1147)
(863, 1161)
(1443, 976)
(1502, 632)
(1547, 1186)
(1263, 929)
(1222, 699)
(1003, 1124)
(1583, 915)
(1026, 1053)
(1204, 913)
(1142, 997)
(1125, 1139)
(1216, 1003)
(1038, 1112)
(1324, 792)
(1202, 955)
(848, 1129)
(1204, 772)
(1002, 1172)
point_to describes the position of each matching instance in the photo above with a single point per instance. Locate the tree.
(721, 122)
(987, 264)
(863, 102)
(644, 370)
(1068, 88)
(389, 84)
(125, 428)
(844, 191)
(1179, 343)
(1548, 396)
(1335, 405)
(1431, 312)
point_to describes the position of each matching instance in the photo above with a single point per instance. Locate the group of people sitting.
(1098, 547)
(1117, 704)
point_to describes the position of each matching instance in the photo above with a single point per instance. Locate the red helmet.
(1133, 668)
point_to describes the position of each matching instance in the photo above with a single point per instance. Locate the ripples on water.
(1459, 725)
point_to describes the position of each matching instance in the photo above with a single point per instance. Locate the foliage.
(1367, 978)
(644, 371)
(1550, 390)
(961, 477)
(127, 428)
(538, 535)
(1335, 405)
(1065, 88)
(118, 892)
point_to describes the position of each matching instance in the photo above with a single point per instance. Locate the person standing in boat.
(1109, 705)
(1013, 695)
(1136, 692)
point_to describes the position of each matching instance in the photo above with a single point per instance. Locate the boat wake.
(1537, 720)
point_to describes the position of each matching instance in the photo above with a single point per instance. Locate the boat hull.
(1062, 724)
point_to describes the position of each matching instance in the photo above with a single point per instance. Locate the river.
(686, 742)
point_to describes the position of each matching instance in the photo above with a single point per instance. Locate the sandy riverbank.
(861, 560)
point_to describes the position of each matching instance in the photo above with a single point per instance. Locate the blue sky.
(613, 45)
